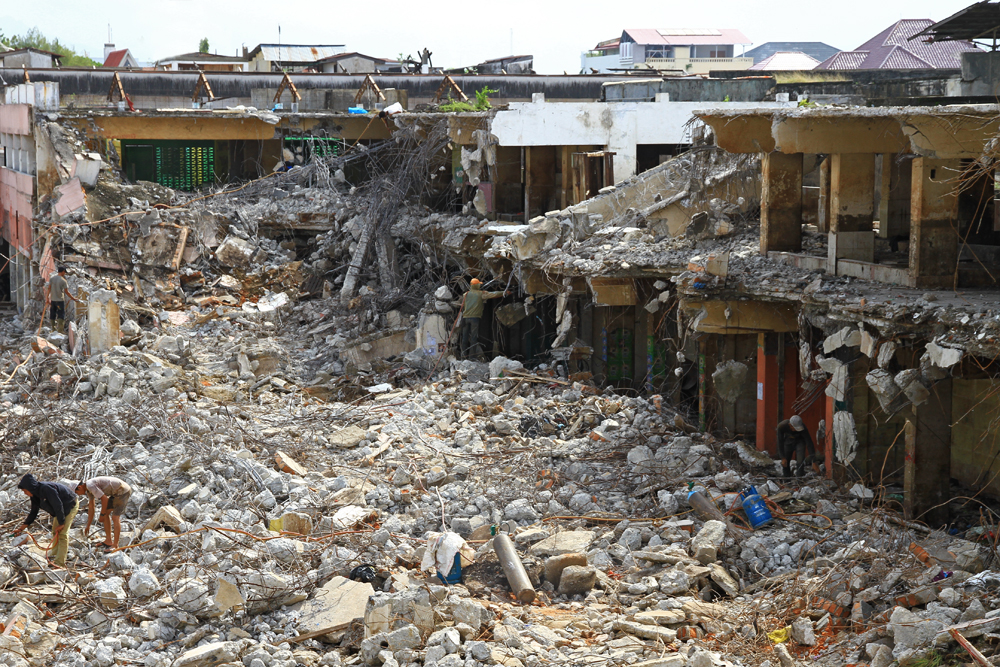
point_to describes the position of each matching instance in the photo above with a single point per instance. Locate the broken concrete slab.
(287, 464)
(566, 542)
(347, 437)
(168, 516)
(208, 655)
(335, 606)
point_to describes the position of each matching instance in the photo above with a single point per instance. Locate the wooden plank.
(182, 236)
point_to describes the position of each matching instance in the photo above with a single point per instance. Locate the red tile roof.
(115, 58)
(892, 49)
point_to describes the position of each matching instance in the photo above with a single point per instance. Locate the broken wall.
(974, 436)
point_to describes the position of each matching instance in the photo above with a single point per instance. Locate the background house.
(208, 62)
(893, 49)
(290, 57)
(687, 50)
(817, 50)
(30, 58)
(119, 58)
(356, 63)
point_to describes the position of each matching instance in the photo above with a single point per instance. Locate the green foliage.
(203, 45)
(455, 105)
(34, 39)
(482, 98)
(482, 102)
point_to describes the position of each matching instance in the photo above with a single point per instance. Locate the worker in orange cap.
(472, 312)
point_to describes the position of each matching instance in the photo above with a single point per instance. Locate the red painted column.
(767, 392)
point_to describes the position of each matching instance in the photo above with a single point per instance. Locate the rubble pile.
(255, 501)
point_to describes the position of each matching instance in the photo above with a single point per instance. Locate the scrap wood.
(977, 657)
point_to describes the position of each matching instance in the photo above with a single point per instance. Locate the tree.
(34, 39)
(203, 45)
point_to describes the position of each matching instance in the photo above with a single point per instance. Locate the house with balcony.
(680, 50)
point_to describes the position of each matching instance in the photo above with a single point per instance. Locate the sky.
(457, 33)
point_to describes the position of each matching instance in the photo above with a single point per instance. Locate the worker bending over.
(113, 494)
(794, 441)
(59, 501)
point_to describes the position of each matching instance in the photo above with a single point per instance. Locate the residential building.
(290, 57)
(818, 50)
(683, 50)
(356, 63)
(896, 48)
(786, 60)
(206, 62)
(119, 58)
(602, 58)
(29, 58)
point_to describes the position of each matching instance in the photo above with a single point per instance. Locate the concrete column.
(852, 192)
(823, 215)
(767, 392)
(927, 467)
(104, 321)
(934, 222)
(885, 189)
(852, 208)
(781, 203)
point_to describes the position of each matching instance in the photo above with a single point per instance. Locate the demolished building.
(267, 353)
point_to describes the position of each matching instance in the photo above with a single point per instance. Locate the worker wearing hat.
(794, 440)
(472, 313)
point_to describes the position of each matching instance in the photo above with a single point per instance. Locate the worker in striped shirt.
(113, 494)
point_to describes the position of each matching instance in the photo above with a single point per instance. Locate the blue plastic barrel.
(455, 575)
(753, 505)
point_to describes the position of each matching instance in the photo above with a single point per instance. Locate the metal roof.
(669, 37)
(978, 21)
(297, 53)
(198, 56)
(818, 50)
(785, 61)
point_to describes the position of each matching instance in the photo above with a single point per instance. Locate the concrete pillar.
(934, 222)
(823, 215)
(781, 203)
(884, 165)
(767, 392)
(927, 467)
(852, 208)
(104, 321)
(852, 192)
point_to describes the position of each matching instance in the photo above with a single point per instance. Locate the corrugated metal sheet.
(298, 53)
(653, 36)
(787, 60)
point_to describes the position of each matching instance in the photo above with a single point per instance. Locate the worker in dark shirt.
(794, 440)
(59, 501)
(472, 313)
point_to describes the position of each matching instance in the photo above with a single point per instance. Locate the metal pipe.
(514, 569)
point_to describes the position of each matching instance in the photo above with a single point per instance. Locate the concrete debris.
(886, 352)
(335, 606)
(943, 357)
(728, 379)
(845, 436)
